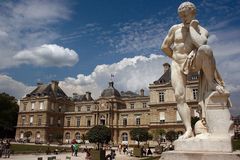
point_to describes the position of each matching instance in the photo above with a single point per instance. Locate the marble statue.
(186, 45)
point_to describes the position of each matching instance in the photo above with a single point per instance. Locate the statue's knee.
(205, 50)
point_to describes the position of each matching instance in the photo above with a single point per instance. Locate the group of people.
(5, 149)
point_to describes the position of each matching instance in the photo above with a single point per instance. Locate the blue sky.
(80, 43)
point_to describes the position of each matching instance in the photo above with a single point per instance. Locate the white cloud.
(48, 55)
(27, 24)
(142, 37)
(13, 87)
(129, 74)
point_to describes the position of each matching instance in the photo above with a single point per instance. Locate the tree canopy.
(171, 136)
(99, 134)
(8, 115)
(158, 135)
(140, 135)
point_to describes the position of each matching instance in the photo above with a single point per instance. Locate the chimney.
(110, 84)
(88, 95)
(54, 85)
(142, 92)
(166, 66)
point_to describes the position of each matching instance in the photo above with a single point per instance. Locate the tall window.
(21, 135)
(162, 117)
(32, 106)
(68, 122)
(51, 120)
(88, 108)
(138, 122)
(88, 123)
(132, 105)
(125, 121)
(195, 94)
(124, 137)
(39, 120)
(41, 105)
(77, 136)
(59, 122)
(59, 108)
(78, 108)
(144, 104)
(52, 106)
(161, 96)
(67, 135)
(24, 107)
(102, 120)
(23, 120)
(78, 121)
(31, 120)
(38, 135)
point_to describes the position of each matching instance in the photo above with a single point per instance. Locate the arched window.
(21, 135)
(102, 120)
(77, 136)
(67, 135)
(124, 136)
(38, 135)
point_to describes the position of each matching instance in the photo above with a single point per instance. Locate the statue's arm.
(168, 41)
(198, 34)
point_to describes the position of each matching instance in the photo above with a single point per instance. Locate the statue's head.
(187, 12)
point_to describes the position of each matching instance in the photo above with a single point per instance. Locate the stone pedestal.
(208, 144)
(219, 127)
(181, 155)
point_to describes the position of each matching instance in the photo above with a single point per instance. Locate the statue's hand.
(194, 23)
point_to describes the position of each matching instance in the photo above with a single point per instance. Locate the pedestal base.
(204, 144)
(178, 155)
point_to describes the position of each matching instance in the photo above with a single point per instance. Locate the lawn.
(236, 144)
(24, 148)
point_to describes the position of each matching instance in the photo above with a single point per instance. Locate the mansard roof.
(129, 94)
(48, 90)
(166, 77)
(80, 98)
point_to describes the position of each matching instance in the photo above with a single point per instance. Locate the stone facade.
(119, 111)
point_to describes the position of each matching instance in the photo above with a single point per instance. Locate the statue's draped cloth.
(204, 89)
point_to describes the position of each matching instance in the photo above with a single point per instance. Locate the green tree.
(140, 135)
(171, 136)
(8, 115)
(158, 135)
(99, 134)
(58, 137)
(83, 138)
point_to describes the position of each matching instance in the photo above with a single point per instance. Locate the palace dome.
(110, 91)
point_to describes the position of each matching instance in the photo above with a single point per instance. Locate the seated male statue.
(186, 44)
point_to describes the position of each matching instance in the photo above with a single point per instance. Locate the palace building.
(47, 114)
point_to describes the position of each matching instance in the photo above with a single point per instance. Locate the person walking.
(1, 148)
(72, 149)
(88, 155)
(7, 149)
(120, 148)
(75, 148)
